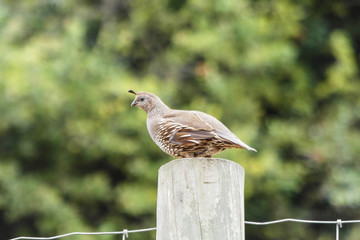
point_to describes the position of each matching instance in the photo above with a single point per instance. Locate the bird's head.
(146, 101)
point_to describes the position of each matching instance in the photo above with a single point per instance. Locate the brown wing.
(189, 119)
(189, 128)
(183, 136)
(203, 127)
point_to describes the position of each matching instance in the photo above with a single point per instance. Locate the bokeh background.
(283, 75)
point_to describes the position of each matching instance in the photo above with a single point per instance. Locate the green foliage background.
(283, 75)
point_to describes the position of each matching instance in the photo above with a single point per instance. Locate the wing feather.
(185, 136)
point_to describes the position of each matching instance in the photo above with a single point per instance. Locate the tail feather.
(251, 149)
(243, 145)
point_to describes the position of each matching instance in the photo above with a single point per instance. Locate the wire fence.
(125, 233)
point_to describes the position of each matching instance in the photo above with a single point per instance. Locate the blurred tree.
(283, 75)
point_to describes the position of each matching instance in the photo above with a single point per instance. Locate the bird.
(182, 133)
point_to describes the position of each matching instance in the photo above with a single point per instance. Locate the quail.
(185, 134)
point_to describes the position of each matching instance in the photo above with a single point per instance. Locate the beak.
(133, 103)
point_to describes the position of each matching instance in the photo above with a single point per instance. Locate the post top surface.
(204, 161)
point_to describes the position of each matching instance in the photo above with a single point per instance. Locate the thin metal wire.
(301, 221)
(290, 220)
(125, 232)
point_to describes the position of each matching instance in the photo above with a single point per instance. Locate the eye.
(142, 99)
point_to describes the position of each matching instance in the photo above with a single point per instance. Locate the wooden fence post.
(200, 199)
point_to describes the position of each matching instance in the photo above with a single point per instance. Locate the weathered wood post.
(200, 199)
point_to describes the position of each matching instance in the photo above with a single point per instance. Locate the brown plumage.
(185, 134)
